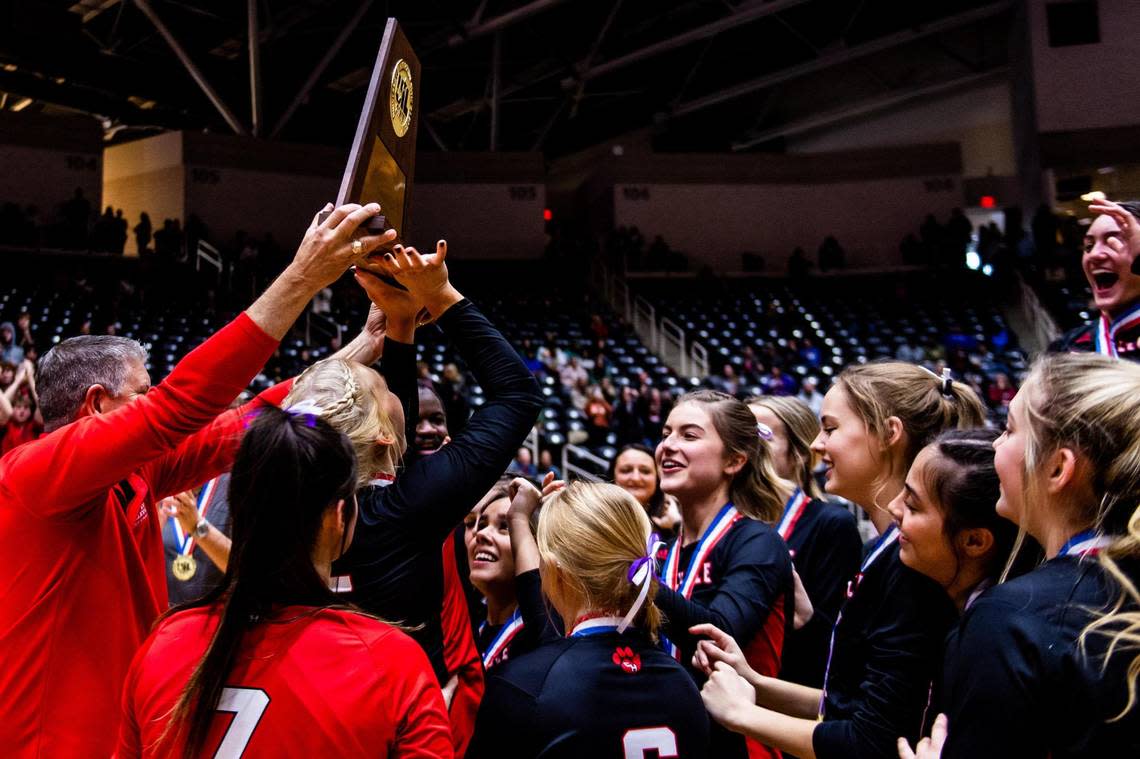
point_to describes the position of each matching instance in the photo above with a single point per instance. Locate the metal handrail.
(208, 253)
(579, 471)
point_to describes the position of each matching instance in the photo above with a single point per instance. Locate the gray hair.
(67, 370)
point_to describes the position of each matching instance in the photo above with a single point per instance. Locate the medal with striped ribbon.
(184, 566)
(793, 510)
(494, 653)
(886, 540)
(1105, 334)
(720, 526)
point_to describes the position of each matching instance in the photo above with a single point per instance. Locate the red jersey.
(306, 682)
(83, 578)
(459, 652)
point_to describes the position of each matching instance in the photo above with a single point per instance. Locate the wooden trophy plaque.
(383, 157)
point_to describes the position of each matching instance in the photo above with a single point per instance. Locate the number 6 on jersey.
(637, 742)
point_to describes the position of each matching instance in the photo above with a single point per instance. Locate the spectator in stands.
(10, 350)
(831, 254)
(598, 413)
(778, 383)
(24, 334)
(7, 374)
(573, 373)
(909, 353)
(20, 419)
(119, 238)
(657, 256)
(656, 407)
(1000, 394)
(958, 232)
(423, 375)
(523, 464)
(810, 395)
(634, 470)
(142, 233)
(809, 354)
(602, 369)
(546, 464)
(931, 234)
(798, 265)
(598, 327)
(727, 382)
(628, 417)
(103, 233)
(75, 214)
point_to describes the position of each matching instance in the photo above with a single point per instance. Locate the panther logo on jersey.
(627, 659)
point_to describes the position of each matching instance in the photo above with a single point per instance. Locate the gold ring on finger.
(357, 247)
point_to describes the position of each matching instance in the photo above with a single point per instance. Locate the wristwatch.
(202, 529)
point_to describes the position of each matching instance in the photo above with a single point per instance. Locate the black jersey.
(826, 548)
(532, 624)
(1118, 337)
(393, 567)
(887, 649)
(600, 696)
(744, 587)
(1016, 682)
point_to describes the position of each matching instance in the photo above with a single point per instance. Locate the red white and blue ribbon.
(720, 526)
(494, 652)
(184, 542)
(886, 540)
(793, 510)
(1105, 333)
(1087, 543)
(596, 626)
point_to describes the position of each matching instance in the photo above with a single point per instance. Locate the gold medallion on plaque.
(184, 567)
(401, 98)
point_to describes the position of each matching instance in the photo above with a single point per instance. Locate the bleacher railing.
(208, 253)
(326, 326)
(671, 338)
(661, 335)
(645, 320)
(531, 442)
(573, 458)
(698, 360)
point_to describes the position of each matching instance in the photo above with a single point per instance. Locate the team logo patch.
(627, 659)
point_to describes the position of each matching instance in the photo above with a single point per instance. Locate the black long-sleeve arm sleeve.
(435, 492)
(540, 622)
(755, 572)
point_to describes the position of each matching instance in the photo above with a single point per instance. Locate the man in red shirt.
(83, 577)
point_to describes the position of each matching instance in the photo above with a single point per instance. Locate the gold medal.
(184, 567)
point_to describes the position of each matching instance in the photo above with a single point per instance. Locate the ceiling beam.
(195, 73)
(319, 70)
(743, 15)
(843, 56)
(870, 106)
(498, 23)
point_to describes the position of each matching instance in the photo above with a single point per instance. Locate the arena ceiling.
(549, 75)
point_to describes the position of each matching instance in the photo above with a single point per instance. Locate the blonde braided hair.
(333, 387)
